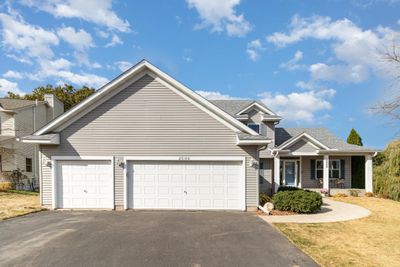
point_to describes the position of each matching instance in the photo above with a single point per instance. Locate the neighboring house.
(20, 118)
(146, 141)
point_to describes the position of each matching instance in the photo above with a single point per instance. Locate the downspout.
(258, 174)
(35, 146)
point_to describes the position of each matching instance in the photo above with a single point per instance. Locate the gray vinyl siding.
(302, 146)
(307, 182)
(148, 119)
(267, 174)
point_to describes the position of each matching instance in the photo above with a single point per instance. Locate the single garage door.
(186, 185)
(84, 184)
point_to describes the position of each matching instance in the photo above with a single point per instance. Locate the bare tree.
(391, 107)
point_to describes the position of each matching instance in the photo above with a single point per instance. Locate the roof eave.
(54, 139)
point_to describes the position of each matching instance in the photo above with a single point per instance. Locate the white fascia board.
(255, 104)
(252, 142)
(299, 137)
(128, 74)
(55, 140)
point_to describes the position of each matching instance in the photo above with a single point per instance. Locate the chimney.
(56, 106)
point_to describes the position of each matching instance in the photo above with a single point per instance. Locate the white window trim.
(188, 159)
(55, 159)
(330, 174)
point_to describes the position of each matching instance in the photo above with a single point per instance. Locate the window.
(261, 173)
(334, 168)
(254, 126)
(28, 165)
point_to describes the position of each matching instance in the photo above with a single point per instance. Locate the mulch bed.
(277, 213)
(281, 213)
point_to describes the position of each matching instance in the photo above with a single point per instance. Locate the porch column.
(368, 173)
(326, 172)
(277, 178)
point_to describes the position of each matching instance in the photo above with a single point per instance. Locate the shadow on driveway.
(141, 238)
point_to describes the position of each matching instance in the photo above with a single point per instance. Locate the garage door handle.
(185, 192)
(85, 191)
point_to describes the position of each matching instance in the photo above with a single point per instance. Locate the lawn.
(371, 241)
(16, 203)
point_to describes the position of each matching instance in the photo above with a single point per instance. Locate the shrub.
(340, 195)
(387, 172)
(354, 193)
(264, 198)
(288, 188)
(301, 201)
(369, 194)
(4, 186)
(15, 177)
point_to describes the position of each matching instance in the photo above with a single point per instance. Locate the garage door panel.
(186, 185)
(84, 184)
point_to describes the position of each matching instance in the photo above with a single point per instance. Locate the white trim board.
(299, 137)
(55, 159)
(260, 107)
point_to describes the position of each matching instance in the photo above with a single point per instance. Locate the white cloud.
(13, 75)
(26, 40)
(340, 73)
(7, 86)
(299, 106)
(214, 95)
(115, 40)
(305, 85)
(253, 49)
(80, 40)
(95, 11)
(221, 16)
(123, 65)
(292, 64)
(356, 48)
(60, 69)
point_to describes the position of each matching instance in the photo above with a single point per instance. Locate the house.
(146, 141)
(20, 118)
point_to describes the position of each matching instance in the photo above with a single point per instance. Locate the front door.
(290, 173)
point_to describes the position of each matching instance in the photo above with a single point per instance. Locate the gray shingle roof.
(243, 136)
(13, 104)
(232, 107)
(321, 134)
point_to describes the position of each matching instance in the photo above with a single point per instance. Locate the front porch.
(330, 172)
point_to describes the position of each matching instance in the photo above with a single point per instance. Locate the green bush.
(264, 198)
(288, 188)
(387, 172)
(301, 201)
(354, 193)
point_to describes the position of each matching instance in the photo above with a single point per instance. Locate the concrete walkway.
(331, 211)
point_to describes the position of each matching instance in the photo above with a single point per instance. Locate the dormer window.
(254, 126)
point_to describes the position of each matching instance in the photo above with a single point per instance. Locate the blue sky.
(316, 63)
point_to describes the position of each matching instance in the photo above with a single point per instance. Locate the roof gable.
(135, 73)
(302, 137)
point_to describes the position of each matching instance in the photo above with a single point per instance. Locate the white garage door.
(84, 184)
(186, 185)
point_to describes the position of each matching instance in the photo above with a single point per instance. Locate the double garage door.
(153, 184)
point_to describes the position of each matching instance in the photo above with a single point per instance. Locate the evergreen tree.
(354, 138)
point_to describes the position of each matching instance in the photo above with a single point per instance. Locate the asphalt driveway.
(112, 238)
